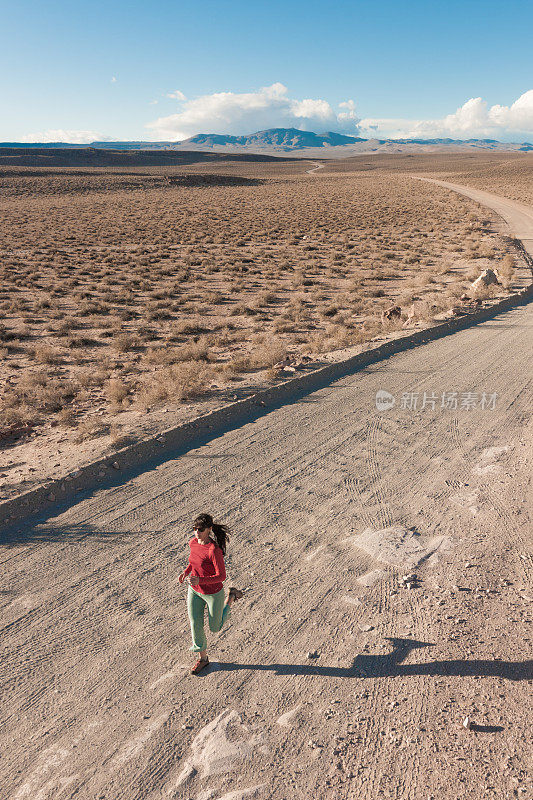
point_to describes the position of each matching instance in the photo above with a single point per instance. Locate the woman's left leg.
(218, 611)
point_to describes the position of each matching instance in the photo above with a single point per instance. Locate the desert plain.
(134, 298)
(382, 648)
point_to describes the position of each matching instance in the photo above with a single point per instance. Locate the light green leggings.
(217, 612)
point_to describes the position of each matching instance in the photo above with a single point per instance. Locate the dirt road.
(518, 216)
(333, 679)
(318, 165)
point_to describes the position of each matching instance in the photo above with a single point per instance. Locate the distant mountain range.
(282, 138)
(291, 140)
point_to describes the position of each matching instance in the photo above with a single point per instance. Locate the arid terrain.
(335, 679)
(382, 648)
(134, 299)
(506, 174)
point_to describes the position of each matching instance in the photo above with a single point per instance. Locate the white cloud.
(475, 119)
(311, 109)
(70, 137)
(349, 115)
(247, 112)
(176, 95)
(271, 106)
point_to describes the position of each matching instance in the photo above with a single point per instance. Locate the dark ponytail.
(220, 532)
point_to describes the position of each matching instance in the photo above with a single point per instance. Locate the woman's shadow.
(390, 665)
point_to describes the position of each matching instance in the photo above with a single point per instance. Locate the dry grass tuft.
(117, 393)
(177, 383)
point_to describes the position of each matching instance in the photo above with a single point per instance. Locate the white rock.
(487, 277)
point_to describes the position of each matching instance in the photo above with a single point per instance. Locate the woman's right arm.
(184, 574)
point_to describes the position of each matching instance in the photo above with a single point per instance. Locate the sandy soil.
(333, 679)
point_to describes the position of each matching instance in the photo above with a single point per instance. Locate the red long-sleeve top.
(206, 561)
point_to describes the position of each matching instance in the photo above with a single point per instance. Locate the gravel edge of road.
(113, 469)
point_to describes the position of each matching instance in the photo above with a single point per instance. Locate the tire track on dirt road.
(371, 752)
(503, 518)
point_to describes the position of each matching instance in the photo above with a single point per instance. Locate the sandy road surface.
(331, 501)
(318, 165)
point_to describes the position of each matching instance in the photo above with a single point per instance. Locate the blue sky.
(399, 68)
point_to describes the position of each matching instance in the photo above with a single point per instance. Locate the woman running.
(207, 572)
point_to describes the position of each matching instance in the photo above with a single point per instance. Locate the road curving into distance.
(318, 165)
(331, 501)
(518, 216)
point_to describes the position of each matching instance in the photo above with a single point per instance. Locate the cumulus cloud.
(70, 137)
(272, 107)
(176, 95)
(345, 117)
(246, 112)
(475, 119)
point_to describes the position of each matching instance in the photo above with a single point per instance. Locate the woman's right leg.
(195, 609)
